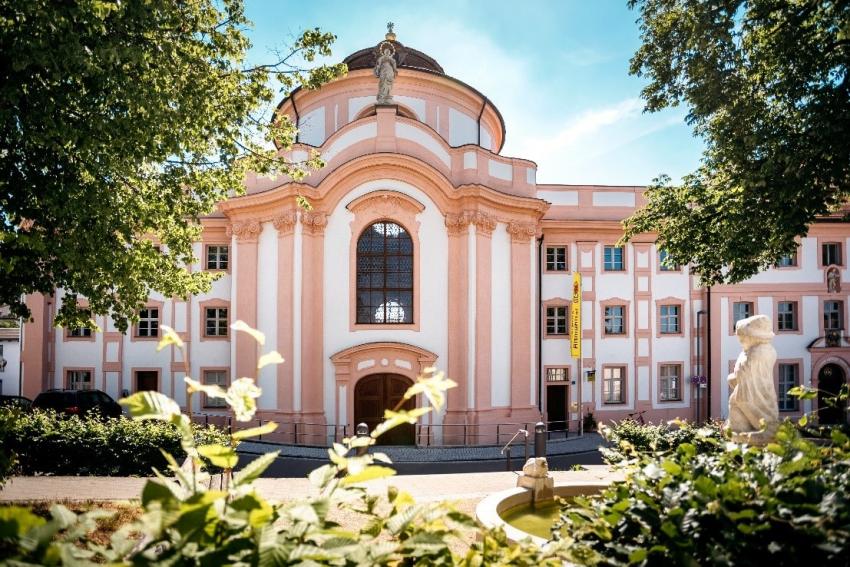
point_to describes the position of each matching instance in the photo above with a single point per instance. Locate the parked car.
(77, 402)
(19, 402)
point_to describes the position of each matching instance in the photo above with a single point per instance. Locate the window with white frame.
(148, 325)
(613, 259)
(556, 320)
(670, 320)
(786, 316)
(789, 377)
(664, 264)
(788, 260)
(79, 332)
(79, 379)
(831, 254)
(556, 259)
(670, 382)
(741, 310)
(614, 384)
(218, 257)
(833, 315)
(556, 374)
(215, 321)
(215, 378)
(615, 319)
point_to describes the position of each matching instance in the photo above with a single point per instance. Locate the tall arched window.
(384, 274)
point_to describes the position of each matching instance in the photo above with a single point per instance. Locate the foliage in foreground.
(767, 87)
(48, 443)
(108, 111)
(733, 505)
(628, 438)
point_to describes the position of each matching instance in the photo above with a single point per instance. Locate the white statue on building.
(386, 68)
(753, 407)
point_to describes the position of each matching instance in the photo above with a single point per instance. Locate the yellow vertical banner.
(575, 318)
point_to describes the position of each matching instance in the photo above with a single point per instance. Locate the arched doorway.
(830, 379)
(378, 392)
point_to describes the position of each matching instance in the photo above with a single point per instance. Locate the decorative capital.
(522, 231)
(245, 231)
(285, 223)
(457, 224)
(484, 223)
(314, 221)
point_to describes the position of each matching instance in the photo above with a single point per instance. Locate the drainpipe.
(539, 322)
(708, 355)
(700, 327)
(297, 119)
(480, 114)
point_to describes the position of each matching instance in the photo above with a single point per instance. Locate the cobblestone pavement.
(422, 487)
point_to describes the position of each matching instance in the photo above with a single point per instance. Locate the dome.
(406, 57)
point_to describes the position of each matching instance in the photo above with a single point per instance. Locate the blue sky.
(557, 71)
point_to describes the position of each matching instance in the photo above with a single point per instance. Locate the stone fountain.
(535, 476)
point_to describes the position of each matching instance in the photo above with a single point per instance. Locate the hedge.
(51, 444)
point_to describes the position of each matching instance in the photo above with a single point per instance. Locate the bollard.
(508, 457)
(540, 439)
(362, 431)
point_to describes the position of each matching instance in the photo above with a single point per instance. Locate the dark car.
(77, 402)
(19, 402)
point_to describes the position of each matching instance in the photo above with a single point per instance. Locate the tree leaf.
(368, 473)
(219, 455)
(254, 469)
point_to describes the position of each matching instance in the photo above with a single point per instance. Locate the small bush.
(784, 504)
(47, 443)
(628, 438)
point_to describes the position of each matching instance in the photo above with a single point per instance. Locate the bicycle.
(639, 415)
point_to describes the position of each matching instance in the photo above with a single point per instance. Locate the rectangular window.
(670, 382)
(556, 320)
(556, 259)
(741, 310)
(614, 385)
(789, 377)
(82, 332)
(79, 379)
(670, 320)
(215, 322)
(831, 254)
(833, 315)
(148, 322)
(613, 259)
(217, 257)
(787, 261)
(615, 320)
(664, 264)
(786, 316)
(215, 378)
(556, 374)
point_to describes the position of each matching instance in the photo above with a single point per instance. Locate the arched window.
(384, 275)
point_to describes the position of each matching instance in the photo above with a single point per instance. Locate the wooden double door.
(378, 392)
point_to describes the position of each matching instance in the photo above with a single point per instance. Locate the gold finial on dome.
(390, 33)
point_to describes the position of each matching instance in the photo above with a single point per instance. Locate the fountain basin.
(515, 505)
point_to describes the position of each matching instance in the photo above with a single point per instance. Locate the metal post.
(362, 431)
(508, 457)
(295, 433)
(526, 444)
(540, 439)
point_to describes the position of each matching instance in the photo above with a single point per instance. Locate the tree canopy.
(766, 84)
(123, 123)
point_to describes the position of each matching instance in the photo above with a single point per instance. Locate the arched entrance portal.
(378, 392)
(830, 379)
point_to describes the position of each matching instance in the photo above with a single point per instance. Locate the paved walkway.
(554, 447)
(423, 487)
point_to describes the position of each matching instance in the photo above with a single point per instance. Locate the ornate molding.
(522, 231)
(285, 222)
(386, 203)
(457, 224)
(245, 231)
(484, 222)
(314, 222)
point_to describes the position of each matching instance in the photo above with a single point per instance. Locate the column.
(522, 346)
(285, 225)
(246, 233)
(312, 301)
(457, 226)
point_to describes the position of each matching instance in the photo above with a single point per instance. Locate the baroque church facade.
(427, 247)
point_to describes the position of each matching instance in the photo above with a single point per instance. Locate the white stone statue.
(753, 407)
(386, 70)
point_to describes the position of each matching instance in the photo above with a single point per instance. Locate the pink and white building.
(427, 247)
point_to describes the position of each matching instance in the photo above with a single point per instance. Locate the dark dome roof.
(406, 57)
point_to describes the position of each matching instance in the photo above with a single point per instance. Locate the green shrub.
(628, 438)
(785, 504)
(8, 459)
(47, 443)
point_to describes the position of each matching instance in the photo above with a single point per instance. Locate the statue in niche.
(833, 280)
(386, 70)
(753, 407)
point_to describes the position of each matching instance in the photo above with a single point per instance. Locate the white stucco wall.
(10, 375)
(500, 318)
(311, 127)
